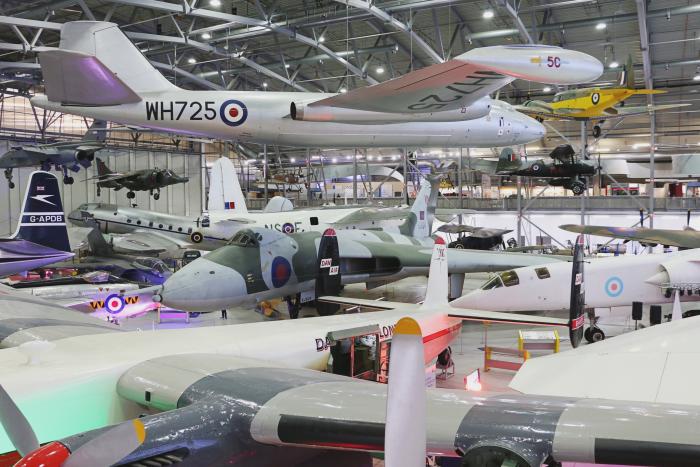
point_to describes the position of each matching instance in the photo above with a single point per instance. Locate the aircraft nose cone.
(475, 299)
(203, 285)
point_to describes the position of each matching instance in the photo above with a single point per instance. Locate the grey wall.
(184, 199)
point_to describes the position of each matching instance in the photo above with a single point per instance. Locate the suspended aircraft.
(687, 238)
(64, 156)
(566, 171)
(97, 72)
(595, 104)
(41, 237)
(151, 180)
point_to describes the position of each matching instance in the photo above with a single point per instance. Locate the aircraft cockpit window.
(542, 273)
(509, 278)
(243, 239)
(493, 283)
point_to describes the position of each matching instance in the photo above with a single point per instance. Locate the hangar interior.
(223, 173)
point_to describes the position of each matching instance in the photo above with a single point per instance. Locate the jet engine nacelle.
(321, 113)
(84, 157)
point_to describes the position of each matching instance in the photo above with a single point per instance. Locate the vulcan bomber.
(151, 180)
(566, 170)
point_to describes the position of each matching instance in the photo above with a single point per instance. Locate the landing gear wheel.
(578, 188)
(68, 180)
(459, 246)
(536, 167)
(8, 176)
(597, 334)
(99, 192)
(11, 185)
(131, 195)
(156, 196)
(596, 131)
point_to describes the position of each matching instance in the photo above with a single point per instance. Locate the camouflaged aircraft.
(260, 264)
(687, 238)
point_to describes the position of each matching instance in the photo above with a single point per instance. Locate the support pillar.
(308, 177)
(354, 178)
(459, 182)
(652, 153)
(519, 208)
(265, 172)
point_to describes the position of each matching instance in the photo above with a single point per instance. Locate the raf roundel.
(614, 287)
(281, 271)
(114, 303)
(233, 112)
(288, 228)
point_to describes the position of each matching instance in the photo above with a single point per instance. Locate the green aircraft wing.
(680, 238)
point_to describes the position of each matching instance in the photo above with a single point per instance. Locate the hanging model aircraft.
(566, 171)
(595, 104)
(211, 401)
(151, 180)
(64, 156)
(612, 282)
(41, 237)
(688, 238)
(447, 103)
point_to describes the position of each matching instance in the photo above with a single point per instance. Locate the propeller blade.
(110, 447)
(405, 432)
(16, 425)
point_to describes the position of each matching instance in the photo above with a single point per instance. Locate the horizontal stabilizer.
(506, 318)
(75, 78)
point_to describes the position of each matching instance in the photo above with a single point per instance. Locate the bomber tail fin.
(225, 192)
(85, 70)
(419, 223)
(42, 218)
(578, 295)
(438, 280)
(508, 160)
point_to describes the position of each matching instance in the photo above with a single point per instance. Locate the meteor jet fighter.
(565, 171)
(63, 156)
(447, 103)
(151, 180)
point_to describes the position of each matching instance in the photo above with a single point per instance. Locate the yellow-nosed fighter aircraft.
(597, 103)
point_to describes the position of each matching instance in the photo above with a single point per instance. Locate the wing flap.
(379, 305)
(507, 318)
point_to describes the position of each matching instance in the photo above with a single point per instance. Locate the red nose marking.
(233, 112)
(439, 241)
(49, 455)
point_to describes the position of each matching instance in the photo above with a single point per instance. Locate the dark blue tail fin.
(42, 219)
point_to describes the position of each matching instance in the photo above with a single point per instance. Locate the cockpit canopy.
(246, 238)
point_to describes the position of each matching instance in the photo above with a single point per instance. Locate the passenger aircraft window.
(160, 226)
(170, 227)
(189, 231)
(542, 273)
(510, 278)
(314, 220)
(128, 221)
(179, 229)
(150, 224)
(138, 222)
(494, 283)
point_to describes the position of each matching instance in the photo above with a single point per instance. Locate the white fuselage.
(79, 375)
(609, 282)
(113, 219)
(264, 117)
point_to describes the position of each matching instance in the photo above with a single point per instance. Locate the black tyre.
(459, 246)
(536, 167)
(578, 188)
(68, 180)
(156, 196)
(587, 335)
(131, 195)
(597, 335)
(596, 131)
(11, 185)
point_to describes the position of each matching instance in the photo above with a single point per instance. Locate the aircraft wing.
(145, 243)
(465, 79)
(626, 111)
(680, 238)
(377, 305)
(536, 112)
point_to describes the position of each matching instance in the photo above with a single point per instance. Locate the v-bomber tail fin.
(42, 218)
(438, 283)
(97, 64)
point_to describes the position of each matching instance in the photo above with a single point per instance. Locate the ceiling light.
(371, 158)
(696, 77)
(334, 160)
(215, 3)
(343, 90)
(264, 84)
(206, 36)
(380, 70)
(379, 158)
(488, 14)
(601, 26)
(292, 160)
(322, 39)
(547, 89)
(191, 60)
(287, 65)
(393, 158)
(614, 64)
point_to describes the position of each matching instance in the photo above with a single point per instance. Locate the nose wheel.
(67, 179)
(131, 195)
(293, 305)
(156, 195)
(593, 334)
(8, 176)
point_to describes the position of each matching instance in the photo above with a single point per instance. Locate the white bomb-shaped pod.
(539, 63)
